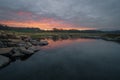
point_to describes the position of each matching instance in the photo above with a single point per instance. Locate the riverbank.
(21, 45)
(13, 46)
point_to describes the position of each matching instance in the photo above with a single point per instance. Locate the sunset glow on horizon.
(45, 24)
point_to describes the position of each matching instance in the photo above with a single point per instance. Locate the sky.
(67, 14)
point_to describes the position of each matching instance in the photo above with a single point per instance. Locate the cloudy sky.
(47, 14)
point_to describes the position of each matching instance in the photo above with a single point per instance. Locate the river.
(72, 59)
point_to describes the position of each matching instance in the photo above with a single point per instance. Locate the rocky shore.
(14, 47)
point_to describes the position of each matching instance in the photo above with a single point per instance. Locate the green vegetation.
(60, 33)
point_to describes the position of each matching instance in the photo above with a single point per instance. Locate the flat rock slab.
(5, 50)
(25, 51)
(4, 61)
(34, 48)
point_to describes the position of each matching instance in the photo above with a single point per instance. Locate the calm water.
(79, 59)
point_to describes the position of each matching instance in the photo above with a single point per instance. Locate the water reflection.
(53, 43)
(61, 42)
(71, 59)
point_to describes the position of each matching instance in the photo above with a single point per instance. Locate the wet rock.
(17, 53)
(21, 44)
(34, 48)
(26, 51)
(4, 61)
(43, 42)
(34, 42)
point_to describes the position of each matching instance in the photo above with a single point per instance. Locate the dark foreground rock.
(4, 61)
(40, 43)
(26, 51)
(16, 53)
(5, 51)
(34, 48)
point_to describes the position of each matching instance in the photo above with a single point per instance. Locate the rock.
(4, 61)
(24, 44)
(4, 51)
(28, 44)
(4, 42)
(43, 42)
(21, 44)
(26, 51)
(11, 44)
(15, 40)
(34, 42)
(3, 36)
(11, 36)
(25, 37)
(17, 53)
(34, 48)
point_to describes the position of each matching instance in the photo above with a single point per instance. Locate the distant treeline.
(28, 29)
(19, 29)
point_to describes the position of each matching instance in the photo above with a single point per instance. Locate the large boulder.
(4, 61)
(28, 44)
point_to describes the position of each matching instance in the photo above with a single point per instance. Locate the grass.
(63, 35)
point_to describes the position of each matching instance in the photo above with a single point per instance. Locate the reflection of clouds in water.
(61, 43)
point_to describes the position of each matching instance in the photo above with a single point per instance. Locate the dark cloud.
(100, 14)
